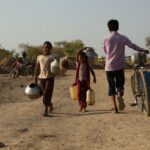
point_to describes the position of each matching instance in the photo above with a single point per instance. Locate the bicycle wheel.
(144, 91)
(135, 92)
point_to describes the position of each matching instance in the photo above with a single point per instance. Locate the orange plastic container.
(73, 92)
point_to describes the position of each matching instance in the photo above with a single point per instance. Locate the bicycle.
(140, 83)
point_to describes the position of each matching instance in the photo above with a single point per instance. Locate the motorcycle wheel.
(13, 74)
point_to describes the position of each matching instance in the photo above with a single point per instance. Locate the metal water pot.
(92, 55)
(33, 91)
(58, 67)
(64, 64)
(55, 67)
(138, 59)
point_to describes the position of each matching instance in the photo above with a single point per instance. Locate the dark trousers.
(47, 89)
(116, 81)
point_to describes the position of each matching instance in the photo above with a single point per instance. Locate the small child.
(82, 81)
(43, 72)
(114, 47)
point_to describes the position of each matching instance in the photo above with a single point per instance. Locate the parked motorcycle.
(24, 70)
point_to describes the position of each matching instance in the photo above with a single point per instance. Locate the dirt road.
(22, 126)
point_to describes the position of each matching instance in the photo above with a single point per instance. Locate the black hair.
(113, 25)
(48, 43)
(83, 55)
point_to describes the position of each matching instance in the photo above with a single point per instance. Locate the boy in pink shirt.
(114, 48)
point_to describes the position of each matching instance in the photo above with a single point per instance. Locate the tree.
(5, 53)
(23, 47)
(70, 48)
(58, 51)
(29, 51)
(33, 52)
(60, 48)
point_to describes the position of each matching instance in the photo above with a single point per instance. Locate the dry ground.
(22, 126)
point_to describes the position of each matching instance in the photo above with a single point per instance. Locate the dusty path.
(22, 126)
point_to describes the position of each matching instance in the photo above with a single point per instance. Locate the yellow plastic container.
(90, 97)
(73, 92)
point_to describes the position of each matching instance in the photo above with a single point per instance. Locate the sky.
(35, 21)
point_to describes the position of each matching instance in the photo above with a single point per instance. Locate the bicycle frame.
(137, 82)
(140, 89)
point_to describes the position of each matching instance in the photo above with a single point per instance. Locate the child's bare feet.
(45, 115)
(84, 110)
(46, 112)
(80, 109)
(50, 109)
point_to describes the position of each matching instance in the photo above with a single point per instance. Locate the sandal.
(114, 110)
(121, 103)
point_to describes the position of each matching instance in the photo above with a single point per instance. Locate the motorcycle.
(22, 69)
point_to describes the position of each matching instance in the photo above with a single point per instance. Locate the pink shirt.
(114, 47)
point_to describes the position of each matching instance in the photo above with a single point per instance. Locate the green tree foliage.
(33, 52)
(58, 51)
(5, 53)
(60, 48)
(70, 48)
(29, 51)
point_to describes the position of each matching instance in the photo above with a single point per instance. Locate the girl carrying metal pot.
(43, 72)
